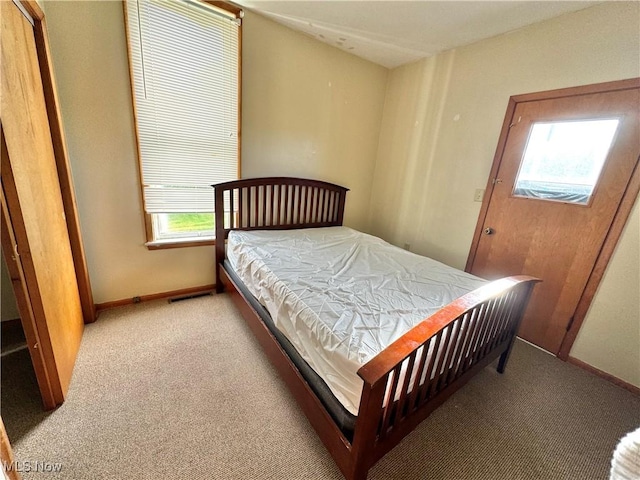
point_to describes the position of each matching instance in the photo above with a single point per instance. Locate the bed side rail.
(429, 359)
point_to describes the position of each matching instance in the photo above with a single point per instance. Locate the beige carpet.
(182, 391)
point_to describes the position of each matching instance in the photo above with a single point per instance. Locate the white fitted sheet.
(341, 296)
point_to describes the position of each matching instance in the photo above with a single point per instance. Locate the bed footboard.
(420, 370)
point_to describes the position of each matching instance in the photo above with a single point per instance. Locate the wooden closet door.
(34, 204)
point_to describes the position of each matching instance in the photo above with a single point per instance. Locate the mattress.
(341, 296)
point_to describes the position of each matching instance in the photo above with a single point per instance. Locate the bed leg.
(219, 284)
(504, 358)
(359, 474)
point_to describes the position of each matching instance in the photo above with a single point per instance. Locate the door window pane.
(563, 160)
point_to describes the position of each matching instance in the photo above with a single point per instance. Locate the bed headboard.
(275, 203)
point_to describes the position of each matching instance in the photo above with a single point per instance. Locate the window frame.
(159, 244)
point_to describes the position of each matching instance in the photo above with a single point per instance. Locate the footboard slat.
(430, 371)
(502, 328)
(459, 350)
(502, 311)
(433, 383)
(473, 331)
(490, 315)
(389, 400)
(454, 357)
(421, 353)
(404, 392)
(496, 311)
(398, 393)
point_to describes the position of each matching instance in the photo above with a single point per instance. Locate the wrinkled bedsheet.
(341, 296)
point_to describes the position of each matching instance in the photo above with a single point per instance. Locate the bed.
(362, 392)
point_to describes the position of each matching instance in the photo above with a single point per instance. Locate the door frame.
(62, 158)
(619, 220)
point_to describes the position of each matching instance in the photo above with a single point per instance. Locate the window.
(563, 160)
(184, 58)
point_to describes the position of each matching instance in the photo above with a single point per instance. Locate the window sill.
(178, 243)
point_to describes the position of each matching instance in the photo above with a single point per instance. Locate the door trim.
(62, 159)
(619, 220)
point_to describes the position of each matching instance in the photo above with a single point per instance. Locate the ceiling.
(391, 33)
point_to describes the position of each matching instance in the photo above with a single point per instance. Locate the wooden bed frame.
(482, 326)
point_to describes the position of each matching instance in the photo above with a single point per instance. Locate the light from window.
(172, 226)
(563, 160)
(184, 57)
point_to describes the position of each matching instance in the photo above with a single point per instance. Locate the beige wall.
(309, 110)
(441, 123)
(610, 337)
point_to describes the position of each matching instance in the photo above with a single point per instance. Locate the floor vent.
(187, 297)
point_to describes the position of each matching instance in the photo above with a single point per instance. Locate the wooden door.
(542, 217)
(37, 243)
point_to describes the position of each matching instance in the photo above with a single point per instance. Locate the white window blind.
(184, 60)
